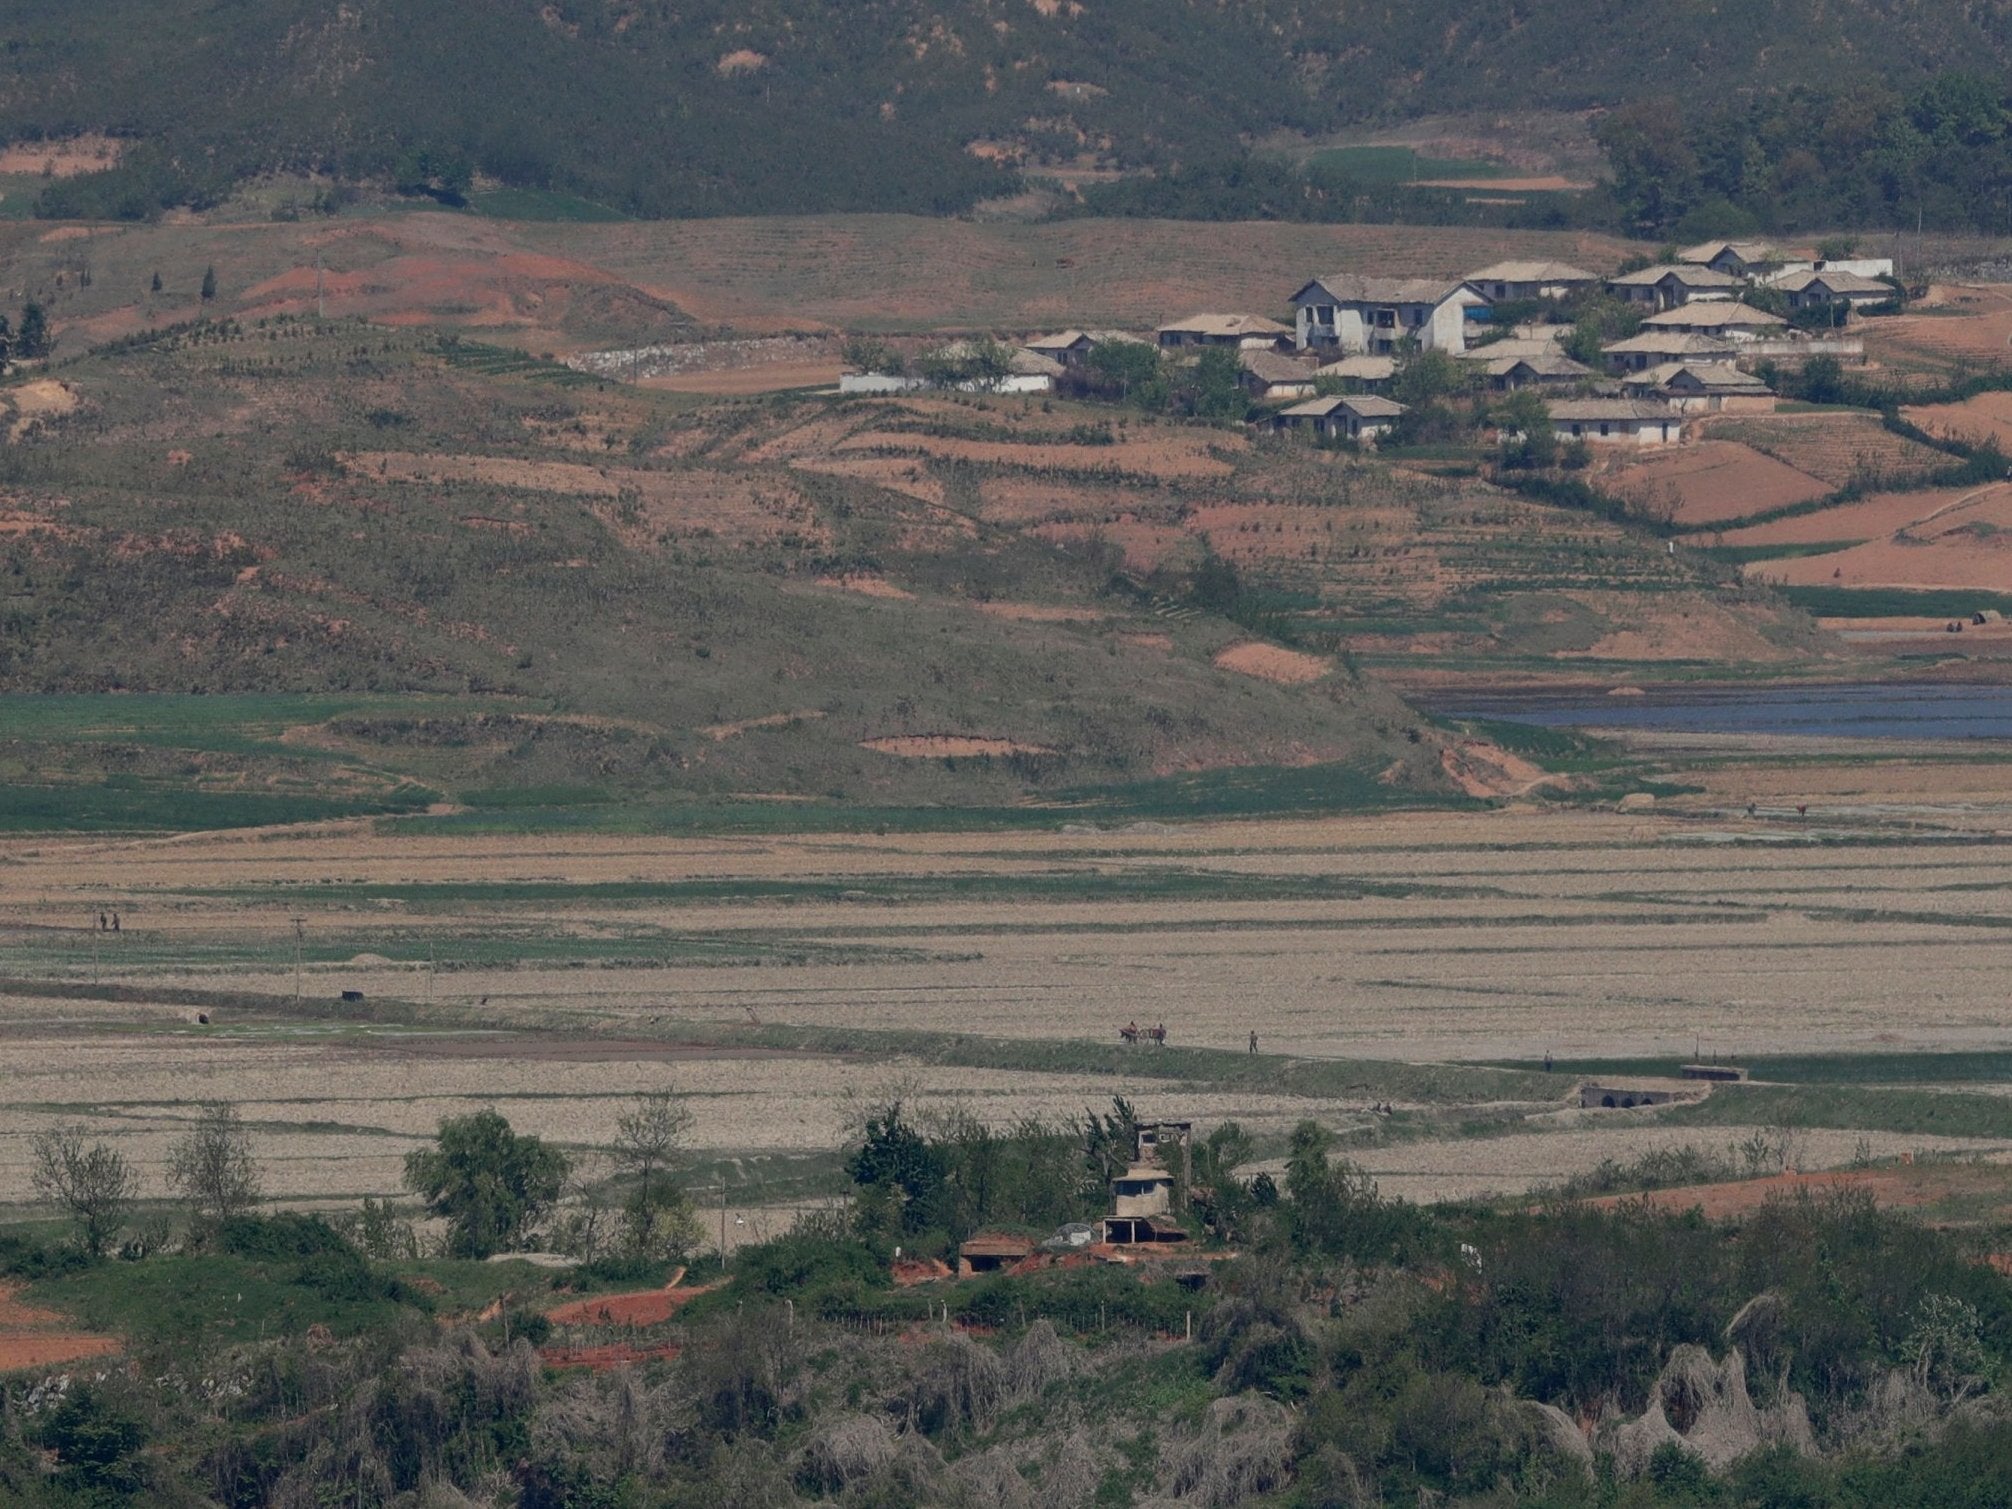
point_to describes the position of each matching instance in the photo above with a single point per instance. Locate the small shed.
(1125, 1231)
(990, 1251)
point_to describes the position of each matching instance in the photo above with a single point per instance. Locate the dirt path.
(31, 1337)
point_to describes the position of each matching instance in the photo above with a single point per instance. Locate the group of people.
(1131, 1032)
(108, 922)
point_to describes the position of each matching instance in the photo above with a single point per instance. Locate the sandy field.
(1871, 924)
(1876, 517)
(1988, 416)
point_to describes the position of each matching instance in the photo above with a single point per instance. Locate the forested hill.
(683, 107)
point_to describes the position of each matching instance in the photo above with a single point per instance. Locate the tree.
(6, 344)
(658, 1217)
(897, 1160)
(155, 285)
(488, 1183)
(1132, 369)
(209, 284)
(1524, 420)
(213, 1167)
(865, 354)
(1215, 386)
(92, 1181)
(33, 343)
(1424, 377)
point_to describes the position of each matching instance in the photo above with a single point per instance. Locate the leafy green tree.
(6, 344)
(213, 1168)
(1215, 386)
(1424, 377)
(1655, 168)
(865, 354)
(897, 1159)
(91, 1180)
(1131, 369)
(33, 343)
(209, 284)
(1528, 438)
(658, 1219)
(97, 1446)
(490, 1184)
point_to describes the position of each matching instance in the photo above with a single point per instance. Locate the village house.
(1741, 259)
(1361, 417)
(1652, 348)
(1814, 290)
(1351, 313)
(1667, 286)
(1703, 388)
(1551, 371)
(1072, 348)
(1360, 374)
(1512, 282)
(1728, 321)
(1239, 332)
(1026, 372)
(1271, 377)
(1616, 421)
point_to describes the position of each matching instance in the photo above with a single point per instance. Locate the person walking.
(1253, 1043)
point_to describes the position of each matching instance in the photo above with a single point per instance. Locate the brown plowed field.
(1966, 542)
(1712, 481)
(1988, 416)
(1871, 518)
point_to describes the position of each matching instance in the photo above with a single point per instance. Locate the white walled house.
(1743, 259)
(1669, 285)
(1728, 321)
(1507, 282)
(1272, 376)
(1702, 388)
(1348, 313)
(1361, 417)
(1813, 290)
(1616, 421)
(1654, 347)
(1239, 332)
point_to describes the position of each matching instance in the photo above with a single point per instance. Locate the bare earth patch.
(1041, 613)
(1268, 662)
(91, 152)
(33, 1338)
(950, 746)
(720, 732)
(867, 586)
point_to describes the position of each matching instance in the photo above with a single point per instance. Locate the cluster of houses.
(1334, 364)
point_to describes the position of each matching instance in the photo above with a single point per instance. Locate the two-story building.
(1352, 313)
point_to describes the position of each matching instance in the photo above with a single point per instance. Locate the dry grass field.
(783, 985)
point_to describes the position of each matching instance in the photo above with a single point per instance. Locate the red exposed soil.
(31, 1337)
(646, 1307)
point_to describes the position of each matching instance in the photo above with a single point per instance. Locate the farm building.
(1668, 285)
(1812, 290)
(988, 1252)
(1506, 282)
(1741, 259)
(1553, 371)
(1072, 348)
(1240, 332)
(1026, 372)
(1358, 417)
(1271, 376)
(1654, 347)
(1352, 313)
(1728, 320)
(1703, 388)
(1617, 421)
(1361, 374)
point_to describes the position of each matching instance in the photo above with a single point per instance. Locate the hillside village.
(1623, 359)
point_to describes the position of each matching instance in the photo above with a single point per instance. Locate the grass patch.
(1894, 602)
(118, 806)
(1739, 555)
(1385, 165)
(1978, 1067)
(1850, 1108)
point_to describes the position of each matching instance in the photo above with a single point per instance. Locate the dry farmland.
(784, 984)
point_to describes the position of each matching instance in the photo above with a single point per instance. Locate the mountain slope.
(707, 107)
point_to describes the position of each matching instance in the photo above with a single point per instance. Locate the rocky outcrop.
(1703, 1406)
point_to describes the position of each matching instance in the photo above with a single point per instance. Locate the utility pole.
(723, 1219)
(320, 304)
(299, 923)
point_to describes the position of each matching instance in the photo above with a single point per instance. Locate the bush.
(798, 1265)
(286, 1235)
